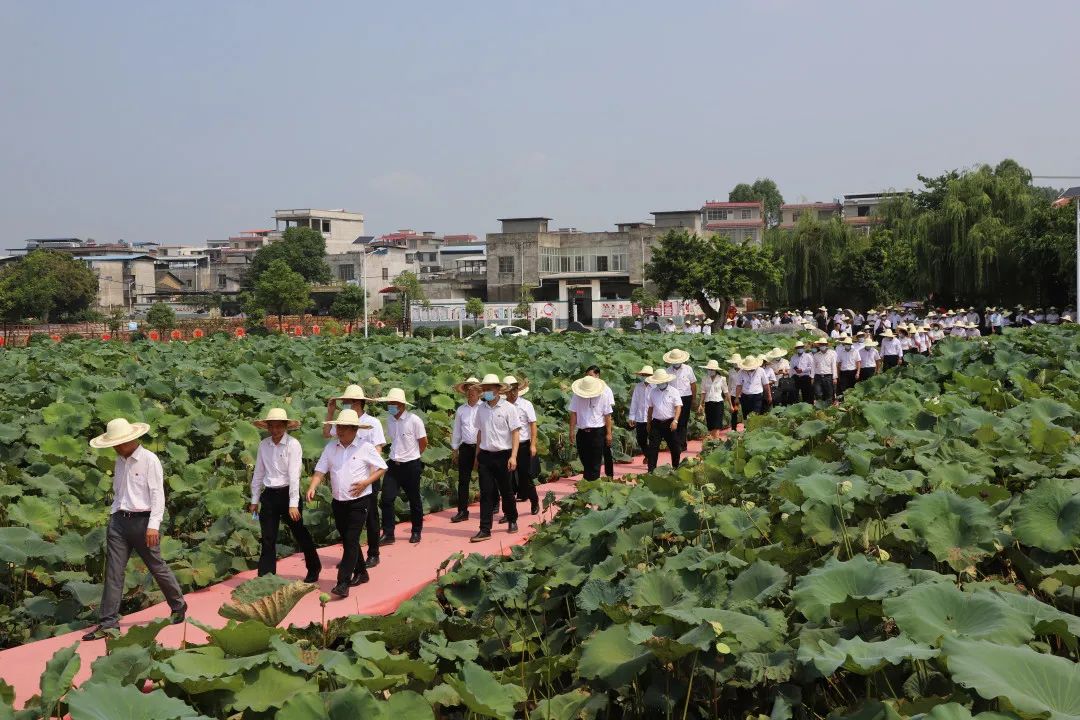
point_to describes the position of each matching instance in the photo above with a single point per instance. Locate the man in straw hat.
(275, 493)
(752, 386)
(892, 353)
(638, 412)
(685, 381)
(526, 471)
(372, 432)
(463, 444)
(609, 397)
(802, 370)
(408, 440)
(134, 523)
(665, 406)
(869, 360)
(848, 363)
(732, 375)
(590, 422)
(824, 358)
(354, 466)
(497, 438)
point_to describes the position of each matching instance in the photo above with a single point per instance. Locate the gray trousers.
(127, 533)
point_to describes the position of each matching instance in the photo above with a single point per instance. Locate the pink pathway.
(405, 569)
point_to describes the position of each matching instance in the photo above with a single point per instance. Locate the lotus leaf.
(1049, 516)
(483, 694)
(611, 658)
(56, 680)
(860, 656)
(830, 588)
(934, 611)
(18, 544)
(958, 531)
(99, 701)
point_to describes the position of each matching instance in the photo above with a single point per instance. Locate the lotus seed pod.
(324, 598)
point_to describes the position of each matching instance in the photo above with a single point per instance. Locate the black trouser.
(823, 387)
(273, 508)
(865, 374)
(495, 483)
(590, 447)
(609, 461)
(889, 361)
(661, 430)
(350, 517)
(404, 476)
(373, 520)
(641, 430)
(684, 418)
(752, 403)
(126, 533)
(465, 461)
(804, 384)
(847, 380)
(523, 476)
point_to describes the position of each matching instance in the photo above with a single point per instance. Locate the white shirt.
(974, 332)
(847, 357)
(706, 329)
(669, 328)
(405, 432)
(781, 367)
(802, 365)
(527, 416)
(770, 374)
(139, 485)
(714, 389)
(663, 402)
(868, 356)
(639, 403)
(348, 465)
(891, 346)
(609, 324)
(751, 382)
(373, 435)
(497, 425)
(590, 411)
(684, 377)
(278, 465)
(464, 425)
(824, 363)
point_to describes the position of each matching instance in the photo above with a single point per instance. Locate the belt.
(595, 429)
(402, 462)
(132, 513)
(275, 488)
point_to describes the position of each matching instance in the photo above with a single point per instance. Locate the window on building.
(409, 257)
(506, 263)
(326, 226)
(386, 273)
(222, 280)
(864, 211)
(579, 263)
(618, 262)
(346, 272)
(746, 214)
(601, 263)
(715, 214)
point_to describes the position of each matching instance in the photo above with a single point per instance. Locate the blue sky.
(178, 122)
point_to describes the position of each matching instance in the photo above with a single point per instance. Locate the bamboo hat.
(276, 415)
(522, 387)
(396, 395)
(735, 359)
(645, 370)
(353, 392)
(751, 362)
(659, 377)
(349, 418)
(711, 365)
(493, 379)
(888, 334)
(676, 356)
(463, 386)
(118, 432)
(775, 354)
(588, 387)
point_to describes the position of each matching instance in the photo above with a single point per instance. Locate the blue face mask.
(662, 386)
(394, 410)
(676, 365)
(488, 395)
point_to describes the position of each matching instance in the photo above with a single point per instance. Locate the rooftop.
(818, 205)
(695, 211)
(117, 257)
(521, 219)
(718, 204)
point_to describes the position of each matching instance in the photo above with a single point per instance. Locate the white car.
(499, 331)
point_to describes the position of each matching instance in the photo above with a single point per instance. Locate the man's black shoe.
(414, 538)
(359, 578)
(341, 590)
(459, 517)
(480, 536)
(372, 561)
(386, 540)
(312, 576)
(512, 528)
(503, 520)
(100, 633)
(178, 617)
(535, 507)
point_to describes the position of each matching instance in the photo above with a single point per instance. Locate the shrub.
(626, 323)
(72, 336)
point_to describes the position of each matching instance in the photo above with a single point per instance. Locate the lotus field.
(913, 552)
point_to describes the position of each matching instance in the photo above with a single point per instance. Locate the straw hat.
(274, 415)
(709, 321)
(353, 392)
(493, 379)
(397, 395)
(821, 341)
(846, 340)
(735, 359)
(523, 387)
(659, 377)
(676, 356)
(349, 418)
(588, 387)
(645, 370)
(751, 362)
(463, 386)
(823, 309)
(118, 432)
(711, 365)
(888, 334)
(870, 343)
(775, 354)
(799, 344)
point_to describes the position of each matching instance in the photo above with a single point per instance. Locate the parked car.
(499, 331)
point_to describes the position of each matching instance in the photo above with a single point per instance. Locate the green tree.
(474, 307)
(302, 249)
(524, 305)
(714, 268)
(411, 291)
(161, 317)
(280, 291)
(43, 283)
(644, 298)
(762, 190)
(349, 305)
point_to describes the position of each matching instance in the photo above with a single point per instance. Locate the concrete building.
(738, 221)
(123, 279)
(861, 209)
(790, 214)
(339, 227)
(378, 262)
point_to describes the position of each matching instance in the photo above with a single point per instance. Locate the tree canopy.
(474, 307)
(46, 283)
(280, 291)
(349, 305)
(302, 249)
(161, 317)
(762, 190)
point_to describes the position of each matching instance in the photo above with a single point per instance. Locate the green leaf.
(268, 687)
(934, 611)
(862, 657)
(239, 639)
(87, 594)
(1031, 682)
(958, 531)
(824, 591)
(56, 680)
(63, 447)
(1049, 516)
(100, 701)
(485, 695)
(38, 514)
(1048, 438)
(18, 544)
(269, 609)
(757, 583)
(122, 666)
(612, 658)
(116, 404)
(572, 705)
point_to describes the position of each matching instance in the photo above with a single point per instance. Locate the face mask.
(395, 410)
(662, 386)
(712, 373)
(676, 365)
(799, 351)
(488, 395)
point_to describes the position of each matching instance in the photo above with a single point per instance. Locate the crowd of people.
(494, 435)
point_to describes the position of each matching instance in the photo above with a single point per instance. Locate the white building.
(339, 227)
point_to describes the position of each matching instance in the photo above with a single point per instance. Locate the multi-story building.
(372, 266)
(339, 227)
(738, 221)
(790, 214)
(861, 209)
(123, 278)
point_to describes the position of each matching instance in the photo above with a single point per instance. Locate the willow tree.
(810, 253)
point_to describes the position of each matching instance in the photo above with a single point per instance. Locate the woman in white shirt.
(638, 413)
(714, 398)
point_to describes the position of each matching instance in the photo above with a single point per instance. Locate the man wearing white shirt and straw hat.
(752, 386)
(665, 407)
(685, 381)
(463, 444)
(275, 493)
(590, 423)
(498, 426)
(354, 466)
(408, 440)
(714, 398)
(134, 523)
(638, 412)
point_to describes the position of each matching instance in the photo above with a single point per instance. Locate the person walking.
(752, 387)
(590, 423)
(802, 369)
(609, 397)
(892, 354)
(526, 471)
(498, 427)
(685, 381)
(665, 406)
(715, 398)
(639, 409)
(869, 360)
(824, 371)
(848, 364)
(371, 431)
(732, 376)
(463, 444)
(134, 525)
(275, 493)
(354, 466)
(408, 440)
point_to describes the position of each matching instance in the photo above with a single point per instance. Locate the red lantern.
(197, 333)
(239, 332)
(54, 337)
(3, 341)
(315, 330)
(176, 335)
(155, 335)
(298, 330)
(106, 337)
